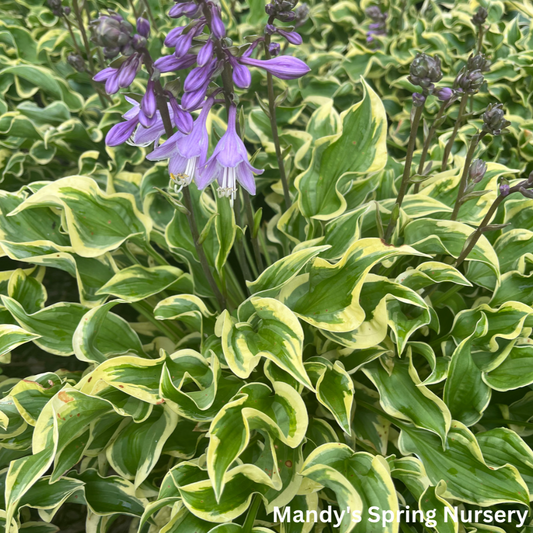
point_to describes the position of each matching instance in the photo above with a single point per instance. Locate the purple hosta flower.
(217, 26)
(120, 133)
(171, 63)
(229, 163)
(205, 54)
(283, 67)
(443, 93)
(190, 9)
(182, 119)
(186, 153)
(184, 41)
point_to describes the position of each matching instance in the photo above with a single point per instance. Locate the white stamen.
(183, 180)
(229, 185)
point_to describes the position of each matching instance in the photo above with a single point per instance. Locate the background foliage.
(350, 372)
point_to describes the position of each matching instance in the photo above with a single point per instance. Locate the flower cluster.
(494, 121)
(202, 45)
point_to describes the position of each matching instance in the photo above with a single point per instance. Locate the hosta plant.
(264, 263)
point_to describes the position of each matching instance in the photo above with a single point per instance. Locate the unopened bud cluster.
(57, 9)
(494, 121)
(480, 16)
(116, 36)
(282, 10)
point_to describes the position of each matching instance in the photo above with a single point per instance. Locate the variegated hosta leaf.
(187, 308)
(449, 237)
(462, 466)
(334, 389)
(96, 222)
(359, 481)
(403, 396)
(385, 304)
(283, 271)
(271, 330)
(328, 296)
(358, 148)
(211, 390)
(137, 282)
(102, 335)
(280, 413)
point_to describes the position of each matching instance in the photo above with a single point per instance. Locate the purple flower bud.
(291, 36)
(170, 63)
(66, 10)
(145, 121)
(418, 99)
(217, 26)
(120, 133)
(127, 71)
(138, 41)
(186, 8)
(143, 27)
(444, 93)
(172, 37)
(283, 67)
(183, 43)
(182, 119)
(241, 74)
(192, 100)
(274, 49)
(504, 189)
(149, 101)
(205, 53)
(270, 29)
(199, 76)
(105, 74)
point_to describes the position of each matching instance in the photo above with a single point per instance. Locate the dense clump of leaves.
(370, 342)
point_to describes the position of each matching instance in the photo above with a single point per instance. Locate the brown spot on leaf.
(64, 397)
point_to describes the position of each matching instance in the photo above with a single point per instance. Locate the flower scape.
(266, 263)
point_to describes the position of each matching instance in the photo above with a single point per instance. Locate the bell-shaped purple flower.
(229, 163)
(217, 26)
(171, 63)
(186, 153)
(109, 76)
(205, 54)
(283, 67)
